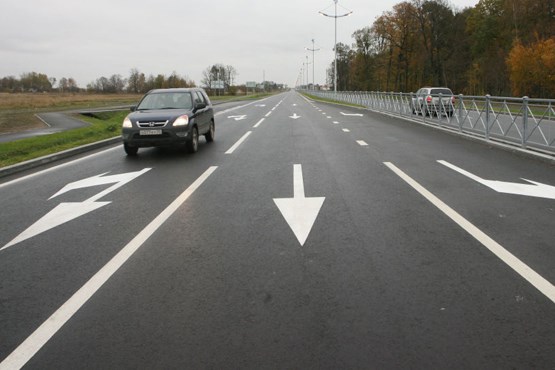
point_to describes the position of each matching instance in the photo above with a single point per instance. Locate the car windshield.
(441, 91)
(167, 100)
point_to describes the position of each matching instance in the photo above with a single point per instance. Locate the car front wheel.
(192, 144)
(130, 150)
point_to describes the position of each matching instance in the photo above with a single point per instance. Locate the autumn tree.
(532, 68)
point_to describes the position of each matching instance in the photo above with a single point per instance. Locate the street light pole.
(335, 16)
(307, 71)
(313, 50)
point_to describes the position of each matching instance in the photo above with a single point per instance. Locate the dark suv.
(169, 117)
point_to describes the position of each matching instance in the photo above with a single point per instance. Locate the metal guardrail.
(525, 122)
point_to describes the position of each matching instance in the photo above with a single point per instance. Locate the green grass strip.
(35, 147)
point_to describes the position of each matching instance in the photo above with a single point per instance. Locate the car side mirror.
(133, 108)
(200, 105)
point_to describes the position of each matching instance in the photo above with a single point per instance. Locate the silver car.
(433, 101)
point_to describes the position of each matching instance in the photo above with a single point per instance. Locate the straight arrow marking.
(299, 212)
(538, 189)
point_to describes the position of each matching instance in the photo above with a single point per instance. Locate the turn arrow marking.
(536, 190)
(299, 212)
(238, 118)
(352, 114)
(65, 212)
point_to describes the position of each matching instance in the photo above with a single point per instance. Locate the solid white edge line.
(30, 346)
(56, 167)
(239, 142)
(42, 120)
(513, 262)
(258, 123)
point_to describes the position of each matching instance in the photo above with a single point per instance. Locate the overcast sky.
(90, 39)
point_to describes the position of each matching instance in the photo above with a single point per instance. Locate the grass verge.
(326, 100)
(104, 127)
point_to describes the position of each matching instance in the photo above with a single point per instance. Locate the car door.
(201, 116)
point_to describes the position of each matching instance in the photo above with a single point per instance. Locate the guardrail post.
(488, 99)
(524, 120)
(440, 114)
(460, 112)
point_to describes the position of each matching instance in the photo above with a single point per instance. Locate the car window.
(199, 99)
(206, 99)
(167, 100)
(441, 91)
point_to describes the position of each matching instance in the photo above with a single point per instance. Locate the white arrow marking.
(238, 118)
(65, 212)
(536, 190)
(299, 212)
(352, 114)
(294, 116)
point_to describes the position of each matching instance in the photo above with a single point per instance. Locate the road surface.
(307, 235)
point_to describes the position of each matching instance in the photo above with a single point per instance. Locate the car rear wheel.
(130, 150)
(192, 144)
(211, 132)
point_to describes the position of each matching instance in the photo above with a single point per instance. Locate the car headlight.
(127, 123)
(181, 121)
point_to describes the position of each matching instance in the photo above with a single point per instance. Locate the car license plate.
(150, 132)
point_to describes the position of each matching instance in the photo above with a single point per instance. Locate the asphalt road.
(54, 122)
(306, 236)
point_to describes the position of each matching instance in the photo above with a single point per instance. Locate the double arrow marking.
(65, 212)
(299, 212)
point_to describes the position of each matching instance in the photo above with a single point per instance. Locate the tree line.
(136, 83)
(498, 47)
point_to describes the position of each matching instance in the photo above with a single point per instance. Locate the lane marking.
(238, 107)
(258, 123)
(300, 212)
(267, 114)
(239, 142)
(536, 189)
(504, 255)
(30, 346)
(362, 143)
(346, 130)
(335, 123)
(352, 114)
(42, 120)
(67, 211)
(238, 118)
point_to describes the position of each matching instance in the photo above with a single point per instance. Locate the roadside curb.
(19, 167)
